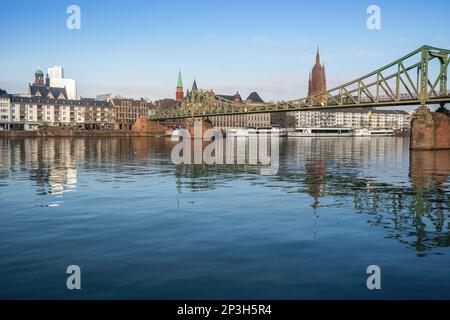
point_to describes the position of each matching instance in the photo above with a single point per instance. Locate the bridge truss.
(418, 78)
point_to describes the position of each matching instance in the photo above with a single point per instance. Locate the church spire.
(318, 56)
(317, 78)
(180, 93)
(180, 80)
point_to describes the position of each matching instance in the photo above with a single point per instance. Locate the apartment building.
(30, 113)
(355, 118)
(127, 111)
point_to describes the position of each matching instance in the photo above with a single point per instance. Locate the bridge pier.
(146, 127)
(197, 127)
(430, 130)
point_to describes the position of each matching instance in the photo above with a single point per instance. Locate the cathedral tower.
(317, 78)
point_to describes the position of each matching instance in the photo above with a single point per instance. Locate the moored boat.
(321, 132)
(373, 132)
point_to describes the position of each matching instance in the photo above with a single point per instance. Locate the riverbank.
(77, 133)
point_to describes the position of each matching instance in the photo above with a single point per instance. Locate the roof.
(44, 91)
(254, 97)
(119, 102)
(194, 86)
(39, 72)
(180, 81)
(165, 104)
(226, 97)
(237, 97)
(44, 100)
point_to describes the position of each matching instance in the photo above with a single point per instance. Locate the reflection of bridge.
(418, 78)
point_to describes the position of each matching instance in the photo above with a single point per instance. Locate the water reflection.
(406, 194)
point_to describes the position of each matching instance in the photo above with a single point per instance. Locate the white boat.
(321, 132)
(237, 132)
(373, 132)
(251, 132)
(281, 132)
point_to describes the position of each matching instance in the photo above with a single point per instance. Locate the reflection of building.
(354, 118)
(315, 180)
(51, 164)
(430, 169)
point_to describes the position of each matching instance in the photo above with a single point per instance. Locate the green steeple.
(180, 81)
(39, 72)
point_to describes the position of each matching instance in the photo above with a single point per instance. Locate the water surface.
(141, 227)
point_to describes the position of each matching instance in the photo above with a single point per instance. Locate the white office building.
(56, 72)
(57, 80)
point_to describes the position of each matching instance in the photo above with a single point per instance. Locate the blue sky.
(135, 47)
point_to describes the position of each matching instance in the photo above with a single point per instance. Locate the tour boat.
(373, 132)
(252, 132)
(321, 132)
(236, 132)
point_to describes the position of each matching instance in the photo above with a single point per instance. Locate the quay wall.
(78, 133)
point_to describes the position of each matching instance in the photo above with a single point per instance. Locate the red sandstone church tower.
(39, 78)
(180, 94)
(317, 78)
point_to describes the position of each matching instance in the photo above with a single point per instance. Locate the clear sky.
(135, 47)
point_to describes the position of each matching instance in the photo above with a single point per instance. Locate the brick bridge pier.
(430, 130)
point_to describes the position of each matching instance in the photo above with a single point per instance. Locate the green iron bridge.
(419, 78)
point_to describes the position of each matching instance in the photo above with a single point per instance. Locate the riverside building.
(355, 118)
(30, 113)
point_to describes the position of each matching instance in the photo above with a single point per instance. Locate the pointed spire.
(179, 93)
(180, 81)
(194, 85)
(318, 56)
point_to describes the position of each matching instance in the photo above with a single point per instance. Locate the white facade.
(356, 119)
(69, 84)
(256, 120)
(5, 112)
(29, 113)
(57, 80)
(56, 72)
